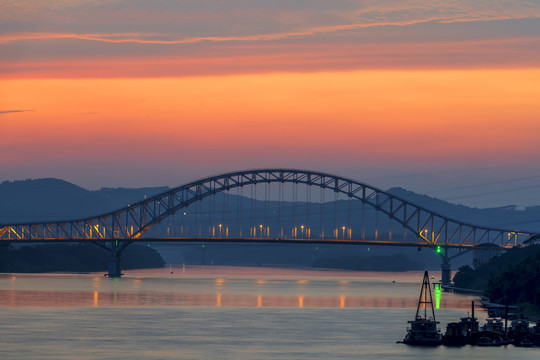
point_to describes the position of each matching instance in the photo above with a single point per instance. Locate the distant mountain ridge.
(506, 217)
(52, 199)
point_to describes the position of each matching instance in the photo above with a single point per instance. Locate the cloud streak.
(291, 56)
(177, 38)
(13, 111)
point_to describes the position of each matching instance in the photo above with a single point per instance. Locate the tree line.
(514, 277)
(73, 258)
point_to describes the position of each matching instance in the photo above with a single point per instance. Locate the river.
(224, 313)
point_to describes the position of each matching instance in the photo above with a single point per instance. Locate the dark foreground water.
(224, 313)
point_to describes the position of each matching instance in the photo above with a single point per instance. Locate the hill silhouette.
(54, 199)
(498, 217)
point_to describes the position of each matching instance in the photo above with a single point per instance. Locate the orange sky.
(393, 89)
(448, 113)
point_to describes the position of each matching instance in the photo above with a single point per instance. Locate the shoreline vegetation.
(513, 276)
(91, 258)
(73, 258)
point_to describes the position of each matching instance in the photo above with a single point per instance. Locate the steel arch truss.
(131, 222)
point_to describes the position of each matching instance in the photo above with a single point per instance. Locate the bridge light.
(438, 249)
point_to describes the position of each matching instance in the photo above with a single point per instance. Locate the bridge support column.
(203, 254)
(446, 271)
(115, 270)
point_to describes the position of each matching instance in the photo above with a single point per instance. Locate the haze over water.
(222, 313)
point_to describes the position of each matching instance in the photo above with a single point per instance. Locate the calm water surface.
(223, 313)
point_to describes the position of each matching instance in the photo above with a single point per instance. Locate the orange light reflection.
(36, 298)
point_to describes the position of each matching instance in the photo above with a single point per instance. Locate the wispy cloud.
(13, 111)
(88, 113)
(174, 39)
(146, 38)
(123, 38)
(332, 54)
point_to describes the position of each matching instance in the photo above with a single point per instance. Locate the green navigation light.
(438, 249)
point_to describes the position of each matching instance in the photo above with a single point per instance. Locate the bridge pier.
(203, 254)
(115, 270)
(446, 271)
(114, 267)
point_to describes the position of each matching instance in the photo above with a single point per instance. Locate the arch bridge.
(143, 221)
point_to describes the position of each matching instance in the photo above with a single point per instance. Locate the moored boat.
(536, 334)
(455, 335)
(520, 334)
(489, 339)
(491, 334)
(423, 330)
(462, 332)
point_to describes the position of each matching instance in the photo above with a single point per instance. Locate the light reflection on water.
(223, 313)
(221, 287)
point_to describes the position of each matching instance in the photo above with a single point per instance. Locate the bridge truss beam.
(133, 221)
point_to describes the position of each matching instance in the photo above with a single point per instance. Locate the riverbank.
(513, 278)
(73, 258)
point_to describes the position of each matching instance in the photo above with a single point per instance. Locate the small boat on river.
(423, 330)
(456, 334)
(520, 333)
(462, 332)
(536, 334)
(492, 333)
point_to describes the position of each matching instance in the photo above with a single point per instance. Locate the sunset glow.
(168, 94)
